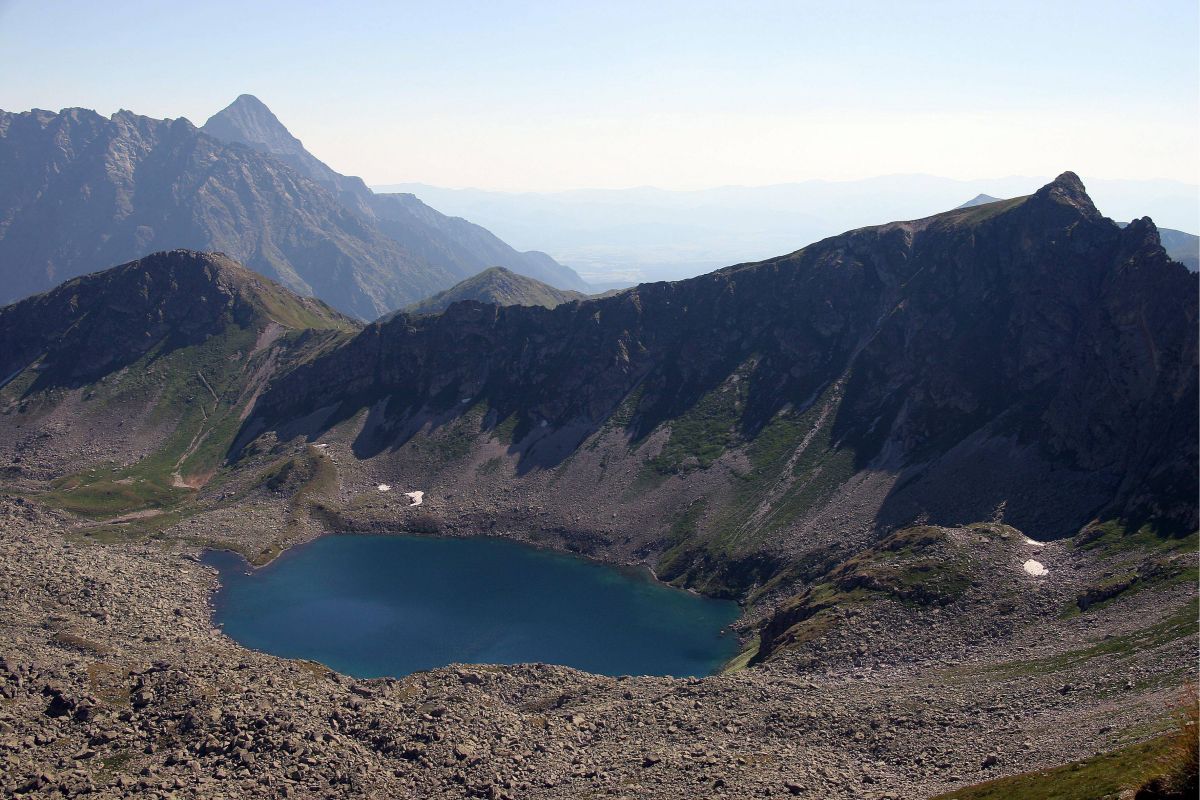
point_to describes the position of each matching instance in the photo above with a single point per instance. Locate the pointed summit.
(1067, 189)
(979, 200)
(247, 120)
(497, 286)
(1069, 181)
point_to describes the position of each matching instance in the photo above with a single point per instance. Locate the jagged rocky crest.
(1028, 354)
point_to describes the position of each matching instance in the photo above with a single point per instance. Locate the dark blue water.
(371, 606)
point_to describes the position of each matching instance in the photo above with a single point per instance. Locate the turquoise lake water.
(371, 606)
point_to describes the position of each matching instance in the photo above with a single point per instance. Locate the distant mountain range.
(83, 192)
(450, 242)
(620, 237)
(497, 286)
(979, 200)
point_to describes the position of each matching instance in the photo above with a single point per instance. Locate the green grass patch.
(1103, 776)
(1114, 537)
(917, 566)
(682, 535)
(742, 659)
(625, 412)
(195, 391)
(702, 434)
(647, 479)
(770, 496)
(299, 313)
(322, 480)
(454, 440)
(1142, 559)
(503, 431)
(101, 493)
(977, 214)
(135, 530)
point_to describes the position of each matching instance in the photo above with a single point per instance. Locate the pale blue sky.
(553, 95)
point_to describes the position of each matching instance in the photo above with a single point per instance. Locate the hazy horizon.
(395, 186)
(619, 237)
(680, 96)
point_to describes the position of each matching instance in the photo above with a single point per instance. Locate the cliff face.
(1028, 353)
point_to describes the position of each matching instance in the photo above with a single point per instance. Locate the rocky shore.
(115, 683)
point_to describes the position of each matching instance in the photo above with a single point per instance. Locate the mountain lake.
(373, 606)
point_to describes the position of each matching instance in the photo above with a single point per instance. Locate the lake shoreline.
(405, 596)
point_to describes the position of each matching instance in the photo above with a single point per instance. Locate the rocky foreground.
(114, 683)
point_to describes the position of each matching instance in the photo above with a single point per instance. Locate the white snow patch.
(1034, 543)
(321, 446)
(544, 423)
(384, 487)
(416, 497)
(466, 400)
(1035, 568)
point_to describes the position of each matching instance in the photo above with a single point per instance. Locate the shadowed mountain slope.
(1182, 247)
(1026, 355)
(149, 366)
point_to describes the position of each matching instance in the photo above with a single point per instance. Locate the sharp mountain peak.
(248, 120)
(979, 200)
(1068, 189)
